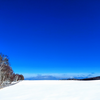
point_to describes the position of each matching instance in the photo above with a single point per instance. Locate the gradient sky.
(51, 36)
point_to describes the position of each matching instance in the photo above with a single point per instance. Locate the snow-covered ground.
(52, 90)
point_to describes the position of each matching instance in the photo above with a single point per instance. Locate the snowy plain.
(52, 90)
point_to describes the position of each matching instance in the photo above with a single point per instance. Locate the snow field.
(52, 90)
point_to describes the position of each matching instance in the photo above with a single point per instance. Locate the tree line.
(7, 76)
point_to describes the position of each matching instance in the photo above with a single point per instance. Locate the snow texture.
(52, 90)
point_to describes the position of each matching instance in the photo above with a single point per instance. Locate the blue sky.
(51, 36)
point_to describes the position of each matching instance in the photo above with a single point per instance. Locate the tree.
(4, 63)
(6, 73)
(21, 77)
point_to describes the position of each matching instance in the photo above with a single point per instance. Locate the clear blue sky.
(51, 36)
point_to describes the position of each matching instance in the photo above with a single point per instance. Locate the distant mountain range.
(84, 79)
(42, 78)
(50, 77)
